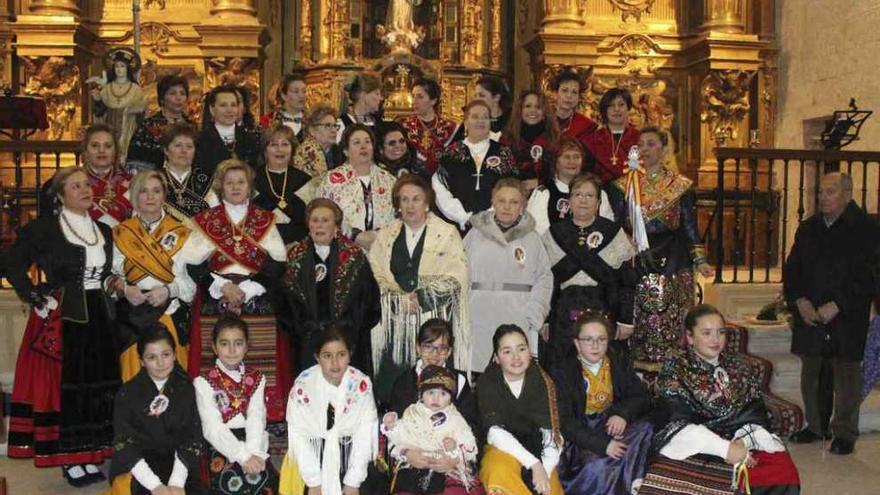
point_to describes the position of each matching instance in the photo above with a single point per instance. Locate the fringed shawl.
(443, 279)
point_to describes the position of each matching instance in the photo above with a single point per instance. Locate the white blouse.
(81, 230)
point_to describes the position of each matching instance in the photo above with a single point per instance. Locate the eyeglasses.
(593, 340)
(435, 349)
(333, 126)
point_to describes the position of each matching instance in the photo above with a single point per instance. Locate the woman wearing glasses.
(589, 255)
(318, 151)
(602, 403)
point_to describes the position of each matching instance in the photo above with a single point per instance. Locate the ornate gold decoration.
(305, 33)
(633, 8)
(237, 71)
(454, 97)
(55, 7)
(229, 8)
(337, 25)
(724, 15)
(160, 4)
(156, 35)
(725, 101)
(471, 32)
(400, 97)
(634, 46)
(563, 13)
(495, 57)
(55, 79)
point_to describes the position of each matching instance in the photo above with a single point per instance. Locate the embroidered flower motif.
(248, 380)
(344, 255)
(234, 484)
(594, 239)
(336, 178)
(380, 190)
(217, 464)
(363, 386)
(493, 162)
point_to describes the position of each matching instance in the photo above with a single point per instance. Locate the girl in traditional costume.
(493, 91)
(331, 423)
(716, 411)
(518, 410)
(189, 187)
(278, 183)
(427, 131)
(550, 202)
(361, 188)
(151, 277)
(145, 149)
(509, 271)
(68, 365)
(435, 428)
(569, 86)
(470, 168)
(608, 147)
(157, 438)
(533, 134)
(222, 136)
(657, 207)
(291, 97)
(602, 406)
(328, 279)
(361, 104)
(420, 266)
(230, 399)
(241, 253)
(589, 255)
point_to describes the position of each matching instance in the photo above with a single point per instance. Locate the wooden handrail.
(799, 155)
(67, 146)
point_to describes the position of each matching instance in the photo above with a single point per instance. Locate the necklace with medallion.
(282, 203)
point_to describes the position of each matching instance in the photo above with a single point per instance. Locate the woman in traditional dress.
(120, 102)
(602, 406)
(550, 202)
(427, 131)
(360, 187)
(189, 187)
(591, 274)
(145, 149)
(361, 104)
(328, 279)
(396, 154)
(68, 365)
(241, 254)
(230, 399)
(109, 184)
(332, 423)
(510, 275)
(569, 85)
(277, 183)
(222, 136)
(533, 134)
(668, 254)
(318, 151)
(420, 266)
(291, 96)
(157, 436)
(520, 415)
(608, 147)
(494, 92)
(151, 278)
(470, 168)
(716, 408)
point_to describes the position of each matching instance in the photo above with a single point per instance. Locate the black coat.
(295, 208)
(631, 400)
(836, 263)
(211, 150)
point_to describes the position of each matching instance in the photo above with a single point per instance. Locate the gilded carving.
(495, 36)
(454, 97)
(471, 32)
(160, 4)
(319, 92)
(651, 105)
(565, 13)
(337, 25)
(305, 32)
(56, 80)
(237, 71)
(155, 35)
(634, 46)
(633, 9)
(725, 101)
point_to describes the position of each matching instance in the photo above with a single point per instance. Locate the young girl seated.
(157, 436)
(518, 408)
(436, 427)
(230, 398)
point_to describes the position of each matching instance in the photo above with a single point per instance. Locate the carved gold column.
(305, 32)
(726, 16)
(233, 8)
(471, 41)
(339, 21)
(495, 56)
(54, 7)
(563, 13)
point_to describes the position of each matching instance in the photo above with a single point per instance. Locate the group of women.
(343, 256)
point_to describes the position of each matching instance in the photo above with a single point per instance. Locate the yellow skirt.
(121, 485)
(130, 362)
(500, 475)
(290, 483)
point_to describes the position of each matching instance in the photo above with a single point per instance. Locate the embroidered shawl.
(231, 397)
(429, 140)
(424, 429)
(110, 195)
(150, 253)
(236, 244)
(343, 186)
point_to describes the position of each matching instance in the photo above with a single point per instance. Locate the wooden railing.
(762, 195)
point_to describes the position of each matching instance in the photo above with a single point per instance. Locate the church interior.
(747, 90)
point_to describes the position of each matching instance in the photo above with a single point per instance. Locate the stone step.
(768, 339)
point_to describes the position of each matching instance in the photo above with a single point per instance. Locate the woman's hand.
(615, 449)
(443, 464)
(176, 490)
(315, 490)
(615, 426)
(624, 331)
(540, 479)
(162, 490)
(365, 239)
(347, 490)
(414, 306)
(233, 294)
(158, 296)
(417, 458)
(705, 269)
(134, 295)
(736, 452)
(254, 465)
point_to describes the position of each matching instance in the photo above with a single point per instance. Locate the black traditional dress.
(211, 149)
(187, 195)
(145, 148)
(278, 190)
(321, 291)
(67, 370)
(534, 153)
(156, 423)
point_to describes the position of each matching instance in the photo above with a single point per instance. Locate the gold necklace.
(119, 97)
(178, 191)
(429, 131)
(282, 203)
(615, 147)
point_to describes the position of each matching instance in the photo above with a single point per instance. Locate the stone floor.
(821, 472)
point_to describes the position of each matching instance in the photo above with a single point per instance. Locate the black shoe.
(95, 477)
(75, 482)
(804, 436)
(842, 447)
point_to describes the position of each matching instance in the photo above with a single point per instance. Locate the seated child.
(434, 425)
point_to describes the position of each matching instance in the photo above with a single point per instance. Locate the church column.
(563, 14)
(339, 25)
(471, 40)
(495, 55)
(305, 32)
(726, 16)
(54, 7)
(233, 8)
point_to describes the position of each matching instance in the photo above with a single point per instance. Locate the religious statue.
(399, 31)
(119, 100)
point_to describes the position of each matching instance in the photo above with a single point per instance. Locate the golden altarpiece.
(703, 69)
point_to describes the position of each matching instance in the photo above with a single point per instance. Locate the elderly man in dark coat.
(829, 278)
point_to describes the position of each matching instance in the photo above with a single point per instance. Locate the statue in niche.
(119, 100)
(400, 32)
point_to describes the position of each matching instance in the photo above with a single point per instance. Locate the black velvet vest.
(405, 267)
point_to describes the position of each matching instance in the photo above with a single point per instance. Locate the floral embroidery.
(336, 178)
(235, 396)
(246, 250)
